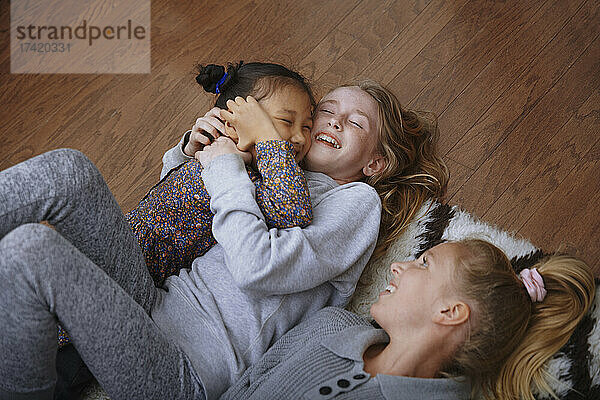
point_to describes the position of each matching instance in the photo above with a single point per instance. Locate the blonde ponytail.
(512, 337)
(570, 285)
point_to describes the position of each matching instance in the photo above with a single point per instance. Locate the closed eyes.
(356, 124)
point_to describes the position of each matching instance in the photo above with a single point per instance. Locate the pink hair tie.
(534, 284)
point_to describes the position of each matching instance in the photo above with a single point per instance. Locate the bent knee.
(74, 167)
(72, 158)
(26, 242)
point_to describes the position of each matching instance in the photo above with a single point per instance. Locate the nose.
(298, 138)
(398, 267)
(334, 123)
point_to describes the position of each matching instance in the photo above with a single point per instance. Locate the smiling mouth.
(328, 140)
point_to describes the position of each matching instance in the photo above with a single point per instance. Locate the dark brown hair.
(255, 79)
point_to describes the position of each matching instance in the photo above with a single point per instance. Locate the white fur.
(558, 367)
(464, 226)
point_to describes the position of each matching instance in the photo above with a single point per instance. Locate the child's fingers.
(201, 138)
(228, 116)
(213, 112)
(232, 105)
(205, 129)
(217, 124)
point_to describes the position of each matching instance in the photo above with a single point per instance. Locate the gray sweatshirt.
(257, 283)
(322, 358)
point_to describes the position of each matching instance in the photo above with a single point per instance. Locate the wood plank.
(459, 174)
(4, 39)
(83, 92)
(425, 66)
(527, 90)
(569, 217)
(473, 57)
(411, 40)
(548, 169)
(306, 30)
(107, 102)
(351, 28)
(30, 110)
(527, 140)
(339, 40)
(270, 24)
(383, 26)
(504, 68)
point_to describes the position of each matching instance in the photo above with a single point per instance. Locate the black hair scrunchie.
(210, 76)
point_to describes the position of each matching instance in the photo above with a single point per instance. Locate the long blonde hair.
(414, 171)
(512, 337)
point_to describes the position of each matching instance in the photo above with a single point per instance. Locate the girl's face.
(418, 290)
(291, 112)
(344, 134)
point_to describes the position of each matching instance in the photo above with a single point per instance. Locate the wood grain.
(531, 133)
(426, 65)
(527, 90)
(569, 217)
(548, 168)
(525, 43)
(412, 39)
(485, 45)
(515, 85)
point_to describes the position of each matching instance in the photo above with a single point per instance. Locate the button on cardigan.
(322, 359)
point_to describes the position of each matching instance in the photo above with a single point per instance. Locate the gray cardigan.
(257, 283)
(322, 359)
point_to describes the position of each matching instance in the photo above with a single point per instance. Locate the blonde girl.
(457, 323)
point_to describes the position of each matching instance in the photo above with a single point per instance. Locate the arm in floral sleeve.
(282, 193)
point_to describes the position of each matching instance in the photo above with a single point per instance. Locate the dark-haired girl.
(173, 222)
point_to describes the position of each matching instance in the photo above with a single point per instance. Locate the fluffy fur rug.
(576, 367)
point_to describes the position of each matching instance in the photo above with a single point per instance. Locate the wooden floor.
(515, 85)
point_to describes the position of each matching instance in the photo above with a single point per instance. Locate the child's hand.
(221, 145)
(209, 124)
(250, 121)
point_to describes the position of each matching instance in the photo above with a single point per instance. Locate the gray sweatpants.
(89, 274)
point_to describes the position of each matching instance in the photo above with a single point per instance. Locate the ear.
(375, 166)
(452, 313)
